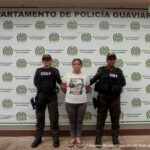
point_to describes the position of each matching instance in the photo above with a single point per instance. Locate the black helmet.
(111, 56)
(46, 57)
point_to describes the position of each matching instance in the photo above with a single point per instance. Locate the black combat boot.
(115, 140)
(36, 142)
(98, 141)
(56, 141)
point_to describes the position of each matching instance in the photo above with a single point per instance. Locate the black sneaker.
(56, 141)
(98, 142)
(115, 140)
(36, 142)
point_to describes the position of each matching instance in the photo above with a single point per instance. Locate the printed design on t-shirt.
(76, 86)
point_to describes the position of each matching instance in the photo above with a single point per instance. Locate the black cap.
(111, 56)
(46, 57)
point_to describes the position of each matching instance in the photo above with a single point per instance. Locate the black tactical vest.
(109, 82)
(47, 80)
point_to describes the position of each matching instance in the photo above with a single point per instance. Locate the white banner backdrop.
(26, 34)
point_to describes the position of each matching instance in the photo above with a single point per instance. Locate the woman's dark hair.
(77, 59)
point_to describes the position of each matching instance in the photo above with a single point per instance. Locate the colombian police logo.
(88, 116)
(40, 25)
(8, 25)
(136, 76)
(86, 63)
(86, 37)
(119, 63)
(118, 37)
(104, 50)
(21, 63)
(147, 38)
(148, 89)
(21, 37)
(148, 63)
(104, 25)
(7, 51)
(72, 25)
(135, 51)
(121, 115)
(54, 37)
(55, 63)
(136, 102)
(21, 116)
(40, 50)
(21, 89)
(7, 103)
(148, 114)
(7, 77)
(72, 50)
(135, 26)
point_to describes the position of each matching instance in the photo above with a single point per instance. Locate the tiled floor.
(126, 143)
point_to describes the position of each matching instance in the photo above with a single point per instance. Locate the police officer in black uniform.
(110, 81)
(45, 80)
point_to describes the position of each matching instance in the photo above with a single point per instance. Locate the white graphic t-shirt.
(76, 92)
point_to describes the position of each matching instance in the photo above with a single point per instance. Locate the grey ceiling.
(77, 3)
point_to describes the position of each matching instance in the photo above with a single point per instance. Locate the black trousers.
(52, 104)
(111, 103)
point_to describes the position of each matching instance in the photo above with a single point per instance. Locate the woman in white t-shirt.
(75, 85)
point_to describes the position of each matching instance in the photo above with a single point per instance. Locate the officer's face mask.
(47, 62)
(111, 61)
